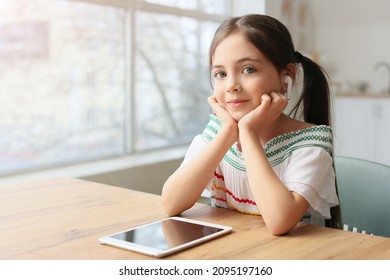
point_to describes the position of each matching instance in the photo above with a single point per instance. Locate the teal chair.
(364, 193)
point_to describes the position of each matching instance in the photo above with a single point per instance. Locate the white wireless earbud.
(288, 81)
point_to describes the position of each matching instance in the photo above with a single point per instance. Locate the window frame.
(132, 7)
(131, 156)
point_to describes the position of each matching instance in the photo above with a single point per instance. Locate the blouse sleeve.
(197, 144)
(310, 173)
(200, 141)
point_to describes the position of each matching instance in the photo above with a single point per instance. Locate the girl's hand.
(271, 107)
(224, 116)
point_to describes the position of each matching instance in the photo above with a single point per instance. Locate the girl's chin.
(237, 116)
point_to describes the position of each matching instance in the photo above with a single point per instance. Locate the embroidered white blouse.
(301, 159)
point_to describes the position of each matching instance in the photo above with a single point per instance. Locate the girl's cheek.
(218, 96)
(221, 102)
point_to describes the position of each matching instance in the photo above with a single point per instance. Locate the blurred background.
(113, 91)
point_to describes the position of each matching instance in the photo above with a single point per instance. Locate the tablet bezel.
(157, 252)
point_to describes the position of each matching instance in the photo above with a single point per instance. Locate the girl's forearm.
(280, 208)
(184, 187)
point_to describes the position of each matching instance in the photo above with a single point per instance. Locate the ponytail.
(315, 101)
(315, 97)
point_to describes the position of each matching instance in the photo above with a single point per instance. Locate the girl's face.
(241, 75)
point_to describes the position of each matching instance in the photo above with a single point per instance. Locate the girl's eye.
(249, 70)
(219, 75)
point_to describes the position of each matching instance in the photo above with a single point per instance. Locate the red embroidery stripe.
(241, 200)
(245, 200)
(219, 176)
(220, 199)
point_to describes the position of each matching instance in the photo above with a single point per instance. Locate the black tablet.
(164, 237)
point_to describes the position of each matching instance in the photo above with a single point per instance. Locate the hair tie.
(298, 57)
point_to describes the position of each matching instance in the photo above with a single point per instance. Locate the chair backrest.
(364, 193)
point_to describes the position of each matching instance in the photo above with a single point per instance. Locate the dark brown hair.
(274, 41)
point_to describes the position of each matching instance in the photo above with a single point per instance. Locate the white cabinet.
(362, 127)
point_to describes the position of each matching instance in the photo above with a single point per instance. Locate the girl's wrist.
(244, 130)
(246, 135)
(229, 133)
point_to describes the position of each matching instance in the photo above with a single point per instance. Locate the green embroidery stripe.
(281, 159)
(285, 137)
(326, 145)
(234, 163)
(288, 153)
(319, 138)
(233, 151)
(211, 128)
(207, 136)
(209, 133)
(214, 119)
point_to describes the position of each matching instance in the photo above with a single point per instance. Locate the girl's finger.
(277, 95)
(279, 100)
(265, 100)
(211, 100)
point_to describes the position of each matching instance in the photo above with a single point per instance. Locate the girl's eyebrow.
(244, 59)
(216, 66)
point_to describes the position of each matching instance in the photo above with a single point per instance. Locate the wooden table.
(63, 219)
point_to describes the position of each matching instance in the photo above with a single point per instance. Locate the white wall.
(241, 7)
(353, 49)
(350, 37)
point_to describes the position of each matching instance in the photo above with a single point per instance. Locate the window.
(85, 80)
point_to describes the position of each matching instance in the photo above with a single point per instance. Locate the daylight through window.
(81, 81)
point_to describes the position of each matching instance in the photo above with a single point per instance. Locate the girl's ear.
(287, 86)
(288, 79)
(291, 70)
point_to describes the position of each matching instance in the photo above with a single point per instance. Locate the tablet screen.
(166, 234)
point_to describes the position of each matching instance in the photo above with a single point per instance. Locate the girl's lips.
(236, 103)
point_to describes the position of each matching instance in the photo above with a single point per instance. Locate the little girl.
(251, 156)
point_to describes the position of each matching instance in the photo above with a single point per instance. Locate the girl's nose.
(233, 85)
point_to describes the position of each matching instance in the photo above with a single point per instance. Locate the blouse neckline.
(291, 134)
